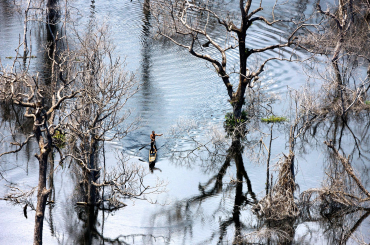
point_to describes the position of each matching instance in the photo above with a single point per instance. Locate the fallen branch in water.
(349, 170)
(340, 193)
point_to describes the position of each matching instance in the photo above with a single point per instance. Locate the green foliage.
(244, 114)
(367, 102)
(231, 121)
(274, 119)
(59, 139)
(32, 57)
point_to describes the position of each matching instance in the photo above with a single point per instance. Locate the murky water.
(176, 89)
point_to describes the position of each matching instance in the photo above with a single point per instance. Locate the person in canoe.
(153, 147)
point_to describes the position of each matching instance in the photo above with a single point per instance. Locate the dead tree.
(85, 103)
(99, 115)
(345, 33)
(189, 24)
(341, 36)
(26, 90)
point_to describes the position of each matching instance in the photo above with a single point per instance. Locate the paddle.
(144, 146)
(161, 146)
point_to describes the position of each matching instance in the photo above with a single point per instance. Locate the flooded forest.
(260, 112)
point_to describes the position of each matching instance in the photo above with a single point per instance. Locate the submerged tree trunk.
(93, 173)
(42, 196)
(43, 192)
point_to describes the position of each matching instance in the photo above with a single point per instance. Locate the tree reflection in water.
(218, 161)
(319, 217)
(339, 207)
(86, 222)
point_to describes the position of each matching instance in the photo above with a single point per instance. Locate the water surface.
(176, 89)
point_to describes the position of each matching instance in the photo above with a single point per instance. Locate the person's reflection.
(152, 167)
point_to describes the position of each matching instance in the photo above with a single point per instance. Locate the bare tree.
(341, 36)
(99, 115)
(26, 90)
(84, 103)
(345, 33)
(188, 23)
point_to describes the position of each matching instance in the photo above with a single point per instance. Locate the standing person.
(152, 143)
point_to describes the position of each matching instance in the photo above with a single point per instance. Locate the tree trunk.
(43, 192)
(92, 175)
(42, 195)
(238, 105)
(238, 98)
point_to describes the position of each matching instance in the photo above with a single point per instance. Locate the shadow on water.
(184, 214)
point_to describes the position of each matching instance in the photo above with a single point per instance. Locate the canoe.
(152, 156)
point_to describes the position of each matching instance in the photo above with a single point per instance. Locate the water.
(176, 88)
